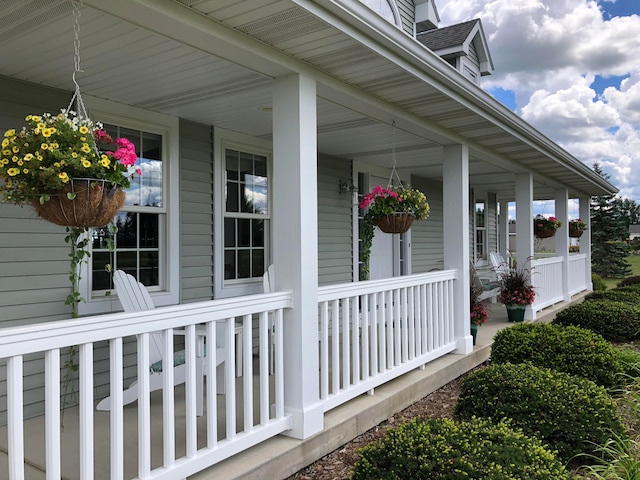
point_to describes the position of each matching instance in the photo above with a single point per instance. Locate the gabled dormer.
(463, 45)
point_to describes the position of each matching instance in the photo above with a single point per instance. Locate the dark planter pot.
(474, 332)
(575, 233)
(545, 233)
(515, 313)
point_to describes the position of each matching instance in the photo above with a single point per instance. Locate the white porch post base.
(306, 422)
(464, 345)
(529, 313)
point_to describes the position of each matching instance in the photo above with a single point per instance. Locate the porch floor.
(278, 457)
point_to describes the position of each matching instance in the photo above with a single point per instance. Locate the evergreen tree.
(609, 232)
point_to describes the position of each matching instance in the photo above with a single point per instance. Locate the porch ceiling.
(213, 61)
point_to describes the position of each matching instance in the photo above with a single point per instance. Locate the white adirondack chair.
(134, 298)
(498, 263)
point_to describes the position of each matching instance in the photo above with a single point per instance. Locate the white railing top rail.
(573, 257)
(333, 292)
(59, 334)
(546, 261)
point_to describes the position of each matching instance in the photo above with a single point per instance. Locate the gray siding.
(196, 212)
(427, 247)
(407, 15)
(335, 228)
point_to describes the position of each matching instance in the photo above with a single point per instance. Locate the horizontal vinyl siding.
(196, 212)
(427, 247)
(335, 227)
(407, 15)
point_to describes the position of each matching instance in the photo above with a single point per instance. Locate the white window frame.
(397, 21)
(223, 140)
(168, 126)
(482, 230)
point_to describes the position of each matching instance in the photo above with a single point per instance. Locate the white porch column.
(456, 237)
(562, 238)
(503, 230)
(585, 239)
(295, 245)
(524, 224)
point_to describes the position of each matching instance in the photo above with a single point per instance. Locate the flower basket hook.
(76, 104)
(394, 172)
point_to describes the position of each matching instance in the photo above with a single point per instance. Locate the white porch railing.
(259, 416)
(578, 280)
(371, 332)
(547, 279)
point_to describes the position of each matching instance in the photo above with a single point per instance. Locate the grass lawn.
(634, 260)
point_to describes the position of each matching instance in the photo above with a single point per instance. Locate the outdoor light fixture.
(346, 186)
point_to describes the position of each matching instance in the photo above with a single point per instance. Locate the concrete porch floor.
(278, 457)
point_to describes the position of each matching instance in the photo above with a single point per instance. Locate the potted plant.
(516, 291)
(576, 228)
(393, 210)
(69, 169)
(544, 227)
(478, 311)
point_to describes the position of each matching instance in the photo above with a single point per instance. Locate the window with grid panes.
(139, 240)
(246, 216)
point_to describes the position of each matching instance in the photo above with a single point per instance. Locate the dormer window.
(385, 8)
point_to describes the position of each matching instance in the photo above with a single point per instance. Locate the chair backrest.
(498, 263)
(134, 298)
(268, 280)
(475, 279)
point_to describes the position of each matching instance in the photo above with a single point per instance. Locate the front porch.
(407, 353)
(277, 457)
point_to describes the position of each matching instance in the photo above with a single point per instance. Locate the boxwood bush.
(617, 295)
(569, 349)
(598, 282)
(438, 449)
(615, 321)
(635, 280)
(571, 414)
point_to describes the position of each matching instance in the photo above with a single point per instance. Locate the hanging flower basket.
(84, 202)
(398, 222)
(576, 227)
(545, 233)
(575, 233)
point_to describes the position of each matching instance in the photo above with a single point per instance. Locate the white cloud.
(549, 52)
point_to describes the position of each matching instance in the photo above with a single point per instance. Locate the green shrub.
(438, 449)
(616, 295)
(570, 349)
(635, 280)
(598, 283)
(629, 360)
(615, 321)
(629, 288)
(624, 463)
(571, 414)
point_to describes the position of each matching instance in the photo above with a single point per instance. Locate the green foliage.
(617, 295)
(634, 280)
(629, 360)
(609, 231)
(570, 349)
(571, 414)
(598, 283)
(615, 321)
(623, 464)
(438, 449)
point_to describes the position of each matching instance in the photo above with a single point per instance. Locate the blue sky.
(570, 68)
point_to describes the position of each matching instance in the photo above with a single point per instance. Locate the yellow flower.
(5, 142)
(6, 152)
(28, 117)
(86, 163)
(85, 148)
(64, 177)
(15, 149)
(83, 130)
(20, 162)
(105, 161)
(10, 133)
(44, 146)
(46, 132)
(25, 170)
(54, 145)
(12, 172)
(74, 154)
(28, 157)
(56, 164)
(42, 126)
(36, 118)
(38, 156)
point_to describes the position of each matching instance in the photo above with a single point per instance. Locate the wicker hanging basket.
(95, 204)
(575, 233)
(398, 222)
(545, 233)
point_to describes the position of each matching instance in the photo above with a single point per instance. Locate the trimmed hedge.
(572, 350)
(615, 321)
(439, 449)
(635, 280)
(598, 282)
(616, 295)
(571, 414)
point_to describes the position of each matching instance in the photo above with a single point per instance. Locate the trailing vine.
(366, 237)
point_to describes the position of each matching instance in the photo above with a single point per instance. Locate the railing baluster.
(191, 393)
(373, 322)
(212, 384)
(168, 404)
(52, 413)
(365, 332)
(116, 420)
(335, 347)
(229, 375)
(355, 341)
(247, 374)
(15, 417)
(279, 393)
(397, 327)
(86, 411)
(404, 325)
(324, 350)
(144, 410)
(263, 356)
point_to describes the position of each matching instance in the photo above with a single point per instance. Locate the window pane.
(127, 230)
(229, 264)
(244, 232)
(258, 262)
(257, 233)
(100, 277)
(229, 232)
(127, 261)
(149, 268)
(244, 263)
(148, 236)
(232, 165)
(232, 197)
